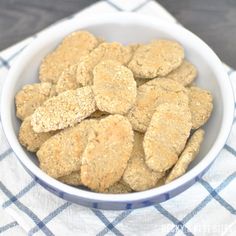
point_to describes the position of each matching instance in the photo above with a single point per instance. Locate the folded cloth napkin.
(206, 208)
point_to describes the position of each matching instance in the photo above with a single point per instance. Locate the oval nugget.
(201, 105)
(114, 87)
(187, 156)
(30, 97)
(166, 136)
(105, 51)
(150, 95)
(157, 58)
(68, 53)
(107, 153)
(30, 139)
(61, 154)
(184, 74)
(137, 175)
(64, 110)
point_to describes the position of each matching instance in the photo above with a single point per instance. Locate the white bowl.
(125, 28)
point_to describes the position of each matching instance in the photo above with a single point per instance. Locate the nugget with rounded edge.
(166, 136)
(118, 188)
(30, 97)
(107, 153)
(150, 95)
(61, 154)
(29, 139)
(67, 80)
(72, 179)
(114, 87)
(157, 58)
(64, 110)
(201, 105)
(187, 156)
(68, 53)
(184, 74)
(137, 175)
(105, 51)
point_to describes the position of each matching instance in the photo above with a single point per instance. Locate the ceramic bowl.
(125, 28)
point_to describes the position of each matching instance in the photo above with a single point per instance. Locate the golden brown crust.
(107, 153)
(67, 80)
(118, 188)
(61, 154)
(72, 179)
(157, 58)
(184, 74)
(152, 94)
(68, 53)
(137, 175)
(114, 87)
(105, 51)
(201, 105)
(166, 136)
(64, 110)
(29, 139)
(187, 156)
(30, 97)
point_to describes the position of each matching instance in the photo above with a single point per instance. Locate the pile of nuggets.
(114, 118)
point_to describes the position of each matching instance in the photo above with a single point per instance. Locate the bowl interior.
(127, 32)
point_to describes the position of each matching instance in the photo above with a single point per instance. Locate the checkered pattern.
(207, 208)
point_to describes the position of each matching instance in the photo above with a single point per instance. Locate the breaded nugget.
(201, 105)
(118, 187)
(72, 179)
(114, 87)
(137, 175)
(107, 153)
(67, 80)
(68, 53)
(66, 109)
(184, 74)
(150, 95)
(29, 139)
(157, 58)
(61, 154)
(166, 136)
(30, 97)
(105, 51)
(187, 156)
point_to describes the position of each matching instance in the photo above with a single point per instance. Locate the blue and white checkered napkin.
(207, 208)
